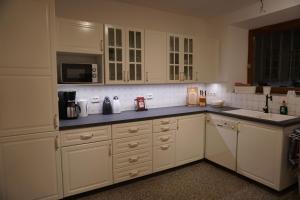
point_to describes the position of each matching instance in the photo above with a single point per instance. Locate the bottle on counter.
(202, 99)
(283, 108)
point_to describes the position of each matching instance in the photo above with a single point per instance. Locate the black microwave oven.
(78, 73)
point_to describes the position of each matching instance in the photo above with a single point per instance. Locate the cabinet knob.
(133, 173)
(164, 147)
(86, 137)
(165, 128)
(133, 144)
(133, 130)
(165, 121)
(164, 138)
(133, 159)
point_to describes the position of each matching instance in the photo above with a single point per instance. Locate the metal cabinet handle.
(55, 122)
(127, 76)
(220, 125)
(164, 147)
(86, 137)
(133, 159)
(196, 76)
(165, 128)
(133, 129)
(165, 138)
(101, 45)
(56, 143)
(133, 144)
(124, 78)
(147, 79)
(133, 173)
(109, 149)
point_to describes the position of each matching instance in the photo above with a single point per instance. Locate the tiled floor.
(194, 182)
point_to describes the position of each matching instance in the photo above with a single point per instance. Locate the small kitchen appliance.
(107, 107)
(78, 73)
(192, 96)
(83, 104)
(116, 106)
(140, 104)
(68, 109)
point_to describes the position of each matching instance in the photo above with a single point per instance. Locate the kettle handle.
(77, 108)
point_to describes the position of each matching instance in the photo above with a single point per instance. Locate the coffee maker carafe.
(68, 109)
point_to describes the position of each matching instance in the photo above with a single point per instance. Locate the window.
(274, 56)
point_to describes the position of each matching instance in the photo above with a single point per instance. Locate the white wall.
(111, 12)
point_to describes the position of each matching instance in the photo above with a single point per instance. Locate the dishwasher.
(221, 140)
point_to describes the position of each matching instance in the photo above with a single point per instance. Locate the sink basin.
(261, 115)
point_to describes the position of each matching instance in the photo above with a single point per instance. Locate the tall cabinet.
(29, 164)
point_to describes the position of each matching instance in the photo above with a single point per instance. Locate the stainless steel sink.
(261, 115)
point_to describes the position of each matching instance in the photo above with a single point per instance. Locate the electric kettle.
(116, 106)
(106, 107)
(83, 104)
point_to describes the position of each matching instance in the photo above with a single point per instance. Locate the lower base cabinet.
(30, 167)
(163, 157)
(86, 167)
(190, 138)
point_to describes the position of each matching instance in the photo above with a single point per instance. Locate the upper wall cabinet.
(155, 57)
(79, 36)
(124, 55)
(181, 59)
(114, 55)
(208, 60)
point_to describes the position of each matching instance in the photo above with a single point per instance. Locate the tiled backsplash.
(163, 95)
(175, 95)
(254, 101)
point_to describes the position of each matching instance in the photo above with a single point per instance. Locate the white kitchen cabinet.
(209, 55)
(115, 69)
(163, 156)
(27, 67)
(86, 167)
(190, 138)
(155, 56)
(30, 167)
(221, 141)
(135, 65)
(79, 36)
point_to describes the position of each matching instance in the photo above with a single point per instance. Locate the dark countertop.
(154, 113)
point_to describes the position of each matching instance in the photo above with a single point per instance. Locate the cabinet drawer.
(131, 129)
(166, 124)
(135, 171)
(164, 137)
(87, 135)
(132, 158)
(132, 143)
(163, 157)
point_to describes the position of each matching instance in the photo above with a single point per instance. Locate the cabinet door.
(79, 36)
(163, 157)
(27, 105)
(30, 167)
(25, 36)
(221, 141)
(259, 153)
(190, 139)
(114, 55)
(188, 59)
(86, 167)
(174, 58)
(155, 57)
(208, 60)
(135, 55)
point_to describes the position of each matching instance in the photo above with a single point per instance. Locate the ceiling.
(196, 8)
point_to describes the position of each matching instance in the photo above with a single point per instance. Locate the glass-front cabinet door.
(188, 72)
(114, 54)
(135, 55)
(174, 51)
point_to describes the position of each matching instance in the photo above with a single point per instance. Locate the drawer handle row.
(164, 147)
(133, 159)
(133, 130)
(133, 144)
(133, 173)
(164, 138)
(86, 137)
(165, 122)
(165, 128)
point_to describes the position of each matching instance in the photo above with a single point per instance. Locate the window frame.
(266, 29)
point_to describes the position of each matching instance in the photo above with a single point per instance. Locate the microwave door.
(76, 73)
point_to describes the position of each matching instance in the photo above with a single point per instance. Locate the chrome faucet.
(266, 108)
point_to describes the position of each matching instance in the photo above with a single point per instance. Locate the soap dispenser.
(107, 108)
(283, 108)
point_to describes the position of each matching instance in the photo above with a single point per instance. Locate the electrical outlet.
(149, 96)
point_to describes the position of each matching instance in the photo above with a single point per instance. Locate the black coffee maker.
(68, 109)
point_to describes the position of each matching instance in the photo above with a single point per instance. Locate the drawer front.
(163, 157)
(131, 129)
(164, 137)
(135, 171)
(132, 158)
(132, 143)
(163, 125)
(82, 136)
